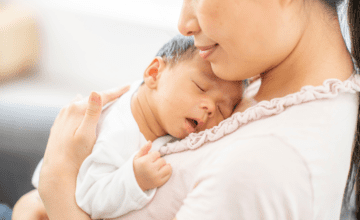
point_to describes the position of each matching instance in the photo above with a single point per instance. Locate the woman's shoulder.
(260, 156)
(292, 145)
(256, 173)
(315, 124)
(314, 135)
(317, 118)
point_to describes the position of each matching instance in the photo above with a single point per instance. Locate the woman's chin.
(224, 72)
(228, 72)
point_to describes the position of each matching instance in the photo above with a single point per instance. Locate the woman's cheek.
(207, 14)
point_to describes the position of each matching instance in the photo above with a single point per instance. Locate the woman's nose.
(188, 24)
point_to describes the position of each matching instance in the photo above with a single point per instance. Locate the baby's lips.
(188, 126)
(200, 123)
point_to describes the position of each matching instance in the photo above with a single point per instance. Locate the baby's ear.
(152, 73)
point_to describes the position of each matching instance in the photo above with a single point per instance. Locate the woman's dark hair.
(353, 179)
(353, 183)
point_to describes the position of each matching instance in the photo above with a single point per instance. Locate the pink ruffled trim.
(330, 89)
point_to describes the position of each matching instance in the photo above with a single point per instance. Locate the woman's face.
(242, 38)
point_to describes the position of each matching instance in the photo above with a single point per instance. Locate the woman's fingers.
(112, 94)
(74, 130)
(71, 140)
(106, 97)
(94, 106)
(92, 114)
(29, 207)
(77, 98)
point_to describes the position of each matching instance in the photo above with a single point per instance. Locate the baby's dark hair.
(179, 48)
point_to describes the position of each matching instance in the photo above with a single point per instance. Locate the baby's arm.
(150, 169)
(36, 176)
(106, 185)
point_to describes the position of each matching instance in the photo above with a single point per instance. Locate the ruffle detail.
(330, 89)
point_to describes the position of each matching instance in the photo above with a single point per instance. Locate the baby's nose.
(209, 107)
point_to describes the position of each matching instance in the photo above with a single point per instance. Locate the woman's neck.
(320, 54)
(144, 115)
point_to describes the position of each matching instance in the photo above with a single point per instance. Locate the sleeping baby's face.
(190, 98)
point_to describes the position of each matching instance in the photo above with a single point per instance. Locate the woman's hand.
(71, 140)
(29, 207)
(73, 133)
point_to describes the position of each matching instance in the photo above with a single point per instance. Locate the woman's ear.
(153, 72)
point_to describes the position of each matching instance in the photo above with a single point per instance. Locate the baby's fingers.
(144, 150)
(165, 171)
(159, 163)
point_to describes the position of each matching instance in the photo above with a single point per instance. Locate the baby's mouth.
(192, 122)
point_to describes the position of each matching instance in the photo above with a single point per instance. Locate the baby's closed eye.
(225, 111)
(229, 108)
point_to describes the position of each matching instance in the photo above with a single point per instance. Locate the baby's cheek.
(173, 128)
(213, 123)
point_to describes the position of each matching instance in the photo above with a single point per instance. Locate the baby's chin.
(184, 134)
(181, 133)
(179, 136)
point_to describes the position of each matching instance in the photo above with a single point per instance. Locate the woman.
(285, 157)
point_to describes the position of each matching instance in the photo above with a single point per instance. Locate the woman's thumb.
(92, 113)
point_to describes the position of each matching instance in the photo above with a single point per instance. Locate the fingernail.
(95, 97)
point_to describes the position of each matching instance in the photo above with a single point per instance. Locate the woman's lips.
(206, 51)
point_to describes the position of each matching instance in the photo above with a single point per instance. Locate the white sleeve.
(106, 190)
(36, 176)
(267, 181)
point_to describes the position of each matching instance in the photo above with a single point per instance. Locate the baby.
(179, 95)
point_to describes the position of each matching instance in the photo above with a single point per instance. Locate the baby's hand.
(150, 169)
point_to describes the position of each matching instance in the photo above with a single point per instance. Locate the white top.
(106, 185)
(287, 158)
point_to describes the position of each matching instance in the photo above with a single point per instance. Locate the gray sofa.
(24, 131)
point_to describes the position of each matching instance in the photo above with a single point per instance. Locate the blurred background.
(79, 46)
(51, 50)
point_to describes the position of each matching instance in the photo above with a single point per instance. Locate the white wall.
(159, 13)
(92, 45)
